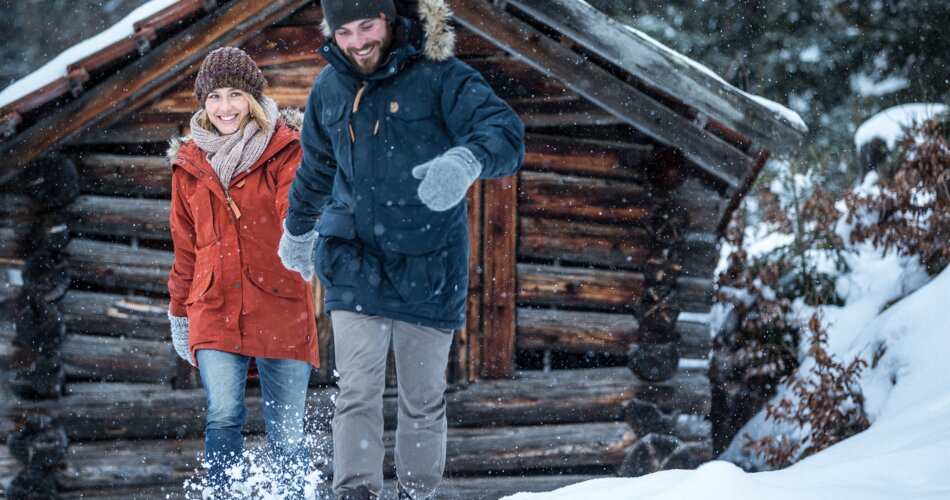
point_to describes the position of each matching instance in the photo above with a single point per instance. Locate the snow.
(890, 304)
(57, 67)
(778, 110)
(867, 86)
(892, 124)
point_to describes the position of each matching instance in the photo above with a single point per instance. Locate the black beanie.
(339, 12)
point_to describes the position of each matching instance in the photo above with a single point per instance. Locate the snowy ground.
(905, 453)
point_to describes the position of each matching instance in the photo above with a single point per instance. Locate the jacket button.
(237, 348)
(237, 285)
(275, 291)
(201, 174)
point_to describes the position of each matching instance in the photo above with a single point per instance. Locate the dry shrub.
(827, 404)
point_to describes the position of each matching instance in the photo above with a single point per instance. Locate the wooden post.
(468, 349)
(500, 246)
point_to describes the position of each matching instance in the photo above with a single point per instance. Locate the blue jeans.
(284, 388)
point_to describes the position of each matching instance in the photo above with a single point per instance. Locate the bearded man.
(396, 130)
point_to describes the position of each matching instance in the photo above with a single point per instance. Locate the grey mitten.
(179, 325)
(446, 178)
(296, 252)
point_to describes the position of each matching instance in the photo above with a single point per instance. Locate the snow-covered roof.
(892, 124)
(780, 111)
(57, 67)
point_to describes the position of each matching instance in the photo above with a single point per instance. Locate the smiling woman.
(228, 288)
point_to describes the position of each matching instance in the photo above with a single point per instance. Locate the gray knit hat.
(339, 12)
(229, 67)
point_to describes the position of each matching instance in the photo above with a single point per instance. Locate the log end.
(654, 453)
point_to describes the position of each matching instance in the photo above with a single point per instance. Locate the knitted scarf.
(232, 154)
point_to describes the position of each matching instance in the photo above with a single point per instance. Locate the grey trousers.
(361, 345)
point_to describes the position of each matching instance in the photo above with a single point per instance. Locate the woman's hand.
(179, 327)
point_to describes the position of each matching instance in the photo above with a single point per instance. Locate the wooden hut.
(585, 349)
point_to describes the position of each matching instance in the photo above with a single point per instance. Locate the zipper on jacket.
(234, 207)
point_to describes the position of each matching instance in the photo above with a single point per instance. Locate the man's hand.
(179, 327)
(446, 178)
(296, 252)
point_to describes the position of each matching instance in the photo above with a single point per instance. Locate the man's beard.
(369, 67)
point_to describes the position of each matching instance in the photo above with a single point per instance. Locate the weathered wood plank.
(714, 157)
(615, 246)
(616, 291)
(147, 77)
(499, 248)
(468, 353)
(112, 464)
(109, 216)
(101, 411)
(121, 175)
(581, 331)
(285, 44)
(134, 132)
(103, 314)
(113, 265)
(553, 153)
(570, 396)
(106, 411)
(572, 197)
(664, 69)
(512, 79)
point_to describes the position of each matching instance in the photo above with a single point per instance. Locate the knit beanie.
(229, 67)
(339, 12)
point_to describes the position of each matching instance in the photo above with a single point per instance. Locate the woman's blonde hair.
(255, 112)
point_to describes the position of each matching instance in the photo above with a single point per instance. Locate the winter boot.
(359, 493)
(404, 494)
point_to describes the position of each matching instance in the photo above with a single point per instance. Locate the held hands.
(179, 327)
(296, 252)
(446, 178)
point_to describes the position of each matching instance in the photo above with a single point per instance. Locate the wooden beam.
(468, 351)
(664, 69)
(111, 216)
(104, 314)
(596, 289)
(118, 266)
(711, 155)
(499, 255)
(101, 411)
(122, 175)
(618, 246)
(144, 79)
(582, 331)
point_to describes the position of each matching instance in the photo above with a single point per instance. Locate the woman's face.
(227, 109)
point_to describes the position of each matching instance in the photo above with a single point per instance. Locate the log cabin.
(584, 353)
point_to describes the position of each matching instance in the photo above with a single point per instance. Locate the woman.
(231, 298)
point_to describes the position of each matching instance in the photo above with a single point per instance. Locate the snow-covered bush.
(910, 214)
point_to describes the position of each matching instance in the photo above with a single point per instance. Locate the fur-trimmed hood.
(292, 117)
(434, 15)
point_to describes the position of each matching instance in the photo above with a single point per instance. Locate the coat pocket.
(206, 263)
(338, 256)
(415, 263)
(276, 284)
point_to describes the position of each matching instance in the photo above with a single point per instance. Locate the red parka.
(227, 277)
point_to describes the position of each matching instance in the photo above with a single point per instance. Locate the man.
(395, 132)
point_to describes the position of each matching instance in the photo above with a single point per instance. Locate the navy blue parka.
(380, 250)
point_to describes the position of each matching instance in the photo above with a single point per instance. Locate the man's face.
(365, 42)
